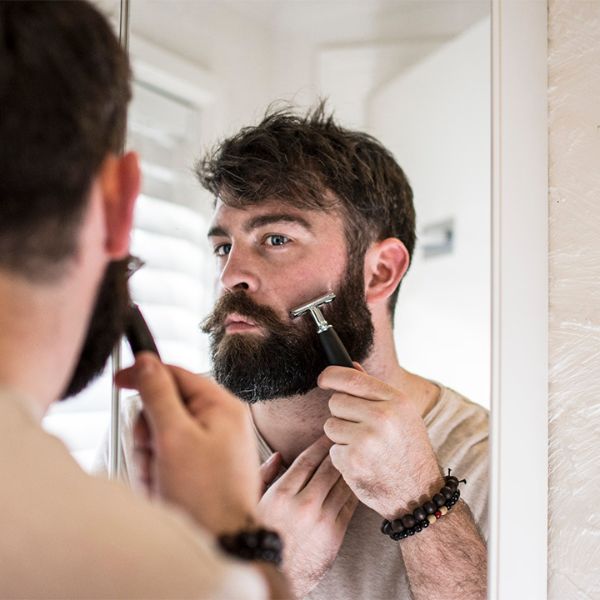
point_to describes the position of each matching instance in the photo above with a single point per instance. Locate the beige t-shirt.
(369, 565)
(66, 534)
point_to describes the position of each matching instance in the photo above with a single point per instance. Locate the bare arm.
(382, 448)
(448, 560)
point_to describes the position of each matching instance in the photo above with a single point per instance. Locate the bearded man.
(303, 207)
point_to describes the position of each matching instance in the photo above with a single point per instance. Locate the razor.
(332, 345)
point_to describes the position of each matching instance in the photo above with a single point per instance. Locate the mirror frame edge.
(518, 564)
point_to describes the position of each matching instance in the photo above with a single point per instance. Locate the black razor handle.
(138, 333)
(335, 350)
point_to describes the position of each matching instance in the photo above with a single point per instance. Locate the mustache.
(239, 302)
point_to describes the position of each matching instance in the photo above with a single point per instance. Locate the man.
(66, 203)
(303, 207)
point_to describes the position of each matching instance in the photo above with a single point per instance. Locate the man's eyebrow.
(262, 220)
(216, 230)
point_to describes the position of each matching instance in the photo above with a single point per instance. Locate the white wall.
(436, 120)
(574, 328)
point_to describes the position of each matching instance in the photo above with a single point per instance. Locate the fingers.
(302, 469)
(347, 511)
(351, 408)
(196, 388)
(355, 383)
(321, 483)
(340, 431)
(143, 453)
(338, 495)
(269, 469)
(162, 401)
(211, 404)
(338, 456)
(141, 432)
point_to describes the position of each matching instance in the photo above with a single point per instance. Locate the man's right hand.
(311, 506)
(195, 446)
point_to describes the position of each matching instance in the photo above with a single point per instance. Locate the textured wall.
(574, 108)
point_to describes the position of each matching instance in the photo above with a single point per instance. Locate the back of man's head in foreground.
(64, 89)
(313, 162)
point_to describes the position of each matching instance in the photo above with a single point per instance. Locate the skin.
(372, 415)
(30, 342)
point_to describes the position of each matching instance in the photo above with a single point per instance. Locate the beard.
(288, 359)
(105, 329)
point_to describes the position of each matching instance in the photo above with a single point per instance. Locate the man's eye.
(276, 240)
(222, 249)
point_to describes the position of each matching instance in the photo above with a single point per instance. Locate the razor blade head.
(300, 310)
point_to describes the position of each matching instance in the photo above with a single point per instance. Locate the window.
(174, 288)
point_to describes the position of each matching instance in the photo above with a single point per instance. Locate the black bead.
(430, 507)
(424, 523)
(408, 521)
(386, 528)
(451, 481)
(397, 535)
(271, 541)
(419, 513)
(447, 492)
(456, 495)
(250, 539)
(418, 528)
(439, 500)
(403, 535)
(397, 525)
(411, 532)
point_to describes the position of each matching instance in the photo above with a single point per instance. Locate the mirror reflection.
(298, 198)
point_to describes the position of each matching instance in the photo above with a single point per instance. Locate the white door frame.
(519, 435)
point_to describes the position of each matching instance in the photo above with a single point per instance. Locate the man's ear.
(120, 179)
(386, 263)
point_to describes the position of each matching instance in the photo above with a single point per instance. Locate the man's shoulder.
(454, 410)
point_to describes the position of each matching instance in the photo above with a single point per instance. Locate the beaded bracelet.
(426, 514)
(262, 544)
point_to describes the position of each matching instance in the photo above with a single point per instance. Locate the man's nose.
(239, 272)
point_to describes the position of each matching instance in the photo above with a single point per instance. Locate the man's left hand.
(381, 446)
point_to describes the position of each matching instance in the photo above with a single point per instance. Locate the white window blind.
(173, 289)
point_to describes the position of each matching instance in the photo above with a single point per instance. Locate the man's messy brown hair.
(64, 89)
(312, 162)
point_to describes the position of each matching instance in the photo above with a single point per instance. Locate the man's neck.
(40, 328)
(289, 425)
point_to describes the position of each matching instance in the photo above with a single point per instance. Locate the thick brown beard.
(288, 359)
(105, 329)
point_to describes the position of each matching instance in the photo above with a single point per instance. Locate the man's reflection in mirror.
(302, 207)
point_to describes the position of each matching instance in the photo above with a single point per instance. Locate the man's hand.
(194, 445)
(310, 505)
(381, 446)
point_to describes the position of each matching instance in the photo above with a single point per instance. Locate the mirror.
(415, 75)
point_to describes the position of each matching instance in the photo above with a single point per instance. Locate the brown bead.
(408, 521)
(419, 513)
(439, 500)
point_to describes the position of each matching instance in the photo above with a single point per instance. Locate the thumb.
(358, 366)
(269, 469)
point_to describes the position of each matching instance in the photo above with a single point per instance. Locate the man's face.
(271, 258)
(106, 326)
